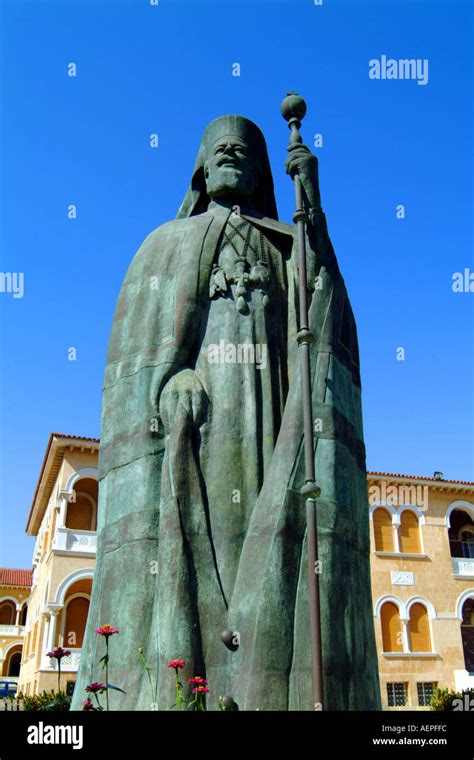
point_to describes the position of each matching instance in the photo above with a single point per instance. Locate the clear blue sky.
(168, 69)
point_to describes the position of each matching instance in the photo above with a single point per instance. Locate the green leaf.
(52, 704)
(117, 688)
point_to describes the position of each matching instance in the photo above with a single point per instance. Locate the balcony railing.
(69, 664)
(12, 630)
(75, 541)
(463, 568)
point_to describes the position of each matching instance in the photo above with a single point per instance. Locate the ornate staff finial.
(293, 110)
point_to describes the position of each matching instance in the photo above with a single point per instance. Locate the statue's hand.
(304, 163)
(183, 394)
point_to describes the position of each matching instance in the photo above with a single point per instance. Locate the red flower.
(107, 631)
(176, 664)
(201, 690)
(59, 653)
(87, 705)
(93, 688)
(197, 681)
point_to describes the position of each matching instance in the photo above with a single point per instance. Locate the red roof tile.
(422, 477)
(11, 577)
(75, 437)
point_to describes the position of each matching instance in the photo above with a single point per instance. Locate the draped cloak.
(157, 575)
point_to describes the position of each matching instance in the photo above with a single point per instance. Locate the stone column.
(64, 500)
(53, 612)
(396, 524)
(405, 635)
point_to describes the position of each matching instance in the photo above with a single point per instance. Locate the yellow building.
(422, 565)
(63, 518)
(14, 591)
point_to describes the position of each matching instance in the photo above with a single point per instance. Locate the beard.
(229, 182)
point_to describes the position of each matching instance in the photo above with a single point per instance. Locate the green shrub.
(47, 701)
(443, 699)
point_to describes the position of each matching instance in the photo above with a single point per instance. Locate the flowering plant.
(58, 654)
(199, 690)
(95, 688)
(180, 702)
(148, 670)
(87, 705)
(106, 631)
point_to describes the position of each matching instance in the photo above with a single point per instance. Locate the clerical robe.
(201, 526)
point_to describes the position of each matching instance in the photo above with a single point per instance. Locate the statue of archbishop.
(201, 524)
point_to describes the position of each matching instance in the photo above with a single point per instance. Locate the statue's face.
(230, 170)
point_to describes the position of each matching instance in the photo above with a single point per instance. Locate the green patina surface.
(201, 525)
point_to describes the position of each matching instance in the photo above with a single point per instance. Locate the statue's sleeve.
(151, 339)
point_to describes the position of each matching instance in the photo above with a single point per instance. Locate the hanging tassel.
(242, 306)
(241, 288)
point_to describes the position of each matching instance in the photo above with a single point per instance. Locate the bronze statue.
(201, 520)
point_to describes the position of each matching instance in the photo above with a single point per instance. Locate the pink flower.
(93, 688)
(197, 681)
(176, 664)
(59, 653)
(201, 690)
(87, 705)
(107, 631)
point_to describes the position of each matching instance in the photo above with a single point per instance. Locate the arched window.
(14, 664)
(24, 613)
(7, 613)
(467, 633)
(79, 514)
(383, 530)
(76, 618)
(466, 537)
(419, 628)
(409, 533)
(461, 534)
(82, 509)
(391, 628)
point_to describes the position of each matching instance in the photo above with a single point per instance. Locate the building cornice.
(52, 462)
(439, 484)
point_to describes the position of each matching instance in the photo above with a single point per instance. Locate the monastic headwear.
(197, 199)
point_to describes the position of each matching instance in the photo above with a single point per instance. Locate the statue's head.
(232, 165)
(231, 170)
